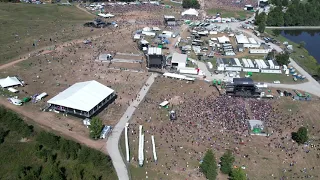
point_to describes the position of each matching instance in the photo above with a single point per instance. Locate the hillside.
(27, 27)
(29, 153)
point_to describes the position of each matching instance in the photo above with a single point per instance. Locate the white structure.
(210, 66)
(141, 144)
(13, 90)
(259, 51)
(164, 103)
(127, 142)
(237, 62)
(271, 64)
(223, 39)
(41, 96)
(188, 70)
(10, 81)
(154, 149)
(84, 98)
(263, 64)
(251, 65)
(191, 12)
(245, 63)
(179, 60)
(154, 51)
(136, 37)
(106, 15)
(257, 62)
(233, 68)
(271, 71)
(178, 76)
(149, 33)
(167, 34)
(242, 39)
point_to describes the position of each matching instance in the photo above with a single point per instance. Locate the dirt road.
(49, 121)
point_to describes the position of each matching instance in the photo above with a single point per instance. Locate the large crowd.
(222, 4)
(217, 122)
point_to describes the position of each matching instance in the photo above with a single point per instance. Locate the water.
(310, 37)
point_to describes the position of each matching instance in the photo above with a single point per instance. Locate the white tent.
(9, 81)
(223, 39)
(82, 96)
(191, 12)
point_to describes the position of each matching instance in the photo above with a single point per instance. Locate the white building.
(84, 98)
(223, 39)
(259, 51)
(242, 39)
(191, 12)
(179, 60)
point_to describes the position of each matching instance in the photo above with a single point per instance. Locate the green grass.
(168, 2)
(308, 63)
(23, 24)
(270, 78)
(226, 13)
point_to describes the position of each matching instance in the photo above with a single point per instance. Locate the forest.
(30, 153)
(294, 13)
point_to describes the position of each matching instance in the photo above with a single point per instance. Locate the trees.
(190, 4)
(95, 127)
(302, 44)
(3, 134)
(238, 174)
(262, 27)
(227, 160)
(275, 17)
(276, 32)
(209, 165)
(301, 136)
(282, 59)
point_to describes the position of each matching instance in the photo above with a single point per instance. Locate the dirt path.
(49, 121)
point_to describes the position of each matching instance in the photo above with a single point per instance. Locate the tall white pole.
(154, 149)
(126, 141)
(141, 141)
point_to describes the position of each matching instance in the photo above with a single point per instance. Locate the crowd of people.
(217, 122)
(239, 4)
(121, 9)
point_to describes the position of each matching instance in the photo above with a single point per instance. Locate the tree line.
(191, 4)
(209, 166)
(53, 157)
(294, 13)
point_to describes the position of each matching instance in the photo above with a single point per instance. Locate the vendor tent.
(191, 12)
(9, 81)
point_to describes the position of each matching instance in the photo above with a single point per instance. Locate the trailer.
(105, 131)
(41, 96)
(245, 63)
(257, 62)
(271, 65)
(237, 62)
(251, 65)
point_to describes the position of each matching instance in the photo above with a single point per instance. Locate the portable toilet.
(26, 99)
(292, 71)
(295, 75)
(219, 82)
(214, 82)
(250, 73)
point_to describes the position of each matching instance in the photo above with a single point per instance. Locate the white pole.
(140, 152)
(154, 149)
(126, 141)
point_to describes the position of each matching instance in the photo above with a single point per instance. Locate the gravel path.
(113, 140)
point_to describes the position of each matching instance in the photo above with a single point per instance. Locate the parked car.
(278, 91)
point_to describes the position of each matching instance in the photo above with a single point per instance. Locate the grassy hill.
(21, 25)
(27, 153)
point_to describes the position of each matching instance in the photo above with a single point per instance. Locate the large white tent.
(83, 98)
(223, 39)
(9, 81)
(242, 39)
(191, 12)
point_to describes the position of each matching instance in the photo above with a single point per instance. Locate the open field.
(300, 55)
(23, 25)
(180, 144)
(270, 78)
(230, 13)
(55, 70)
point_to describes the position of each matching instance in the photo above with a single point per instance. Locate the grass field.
(226, 13)
(308, 63)
(21, 25)
(270, 78)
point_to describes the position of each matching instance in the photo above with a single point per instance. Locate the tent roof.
(154, 51)
(9, 81)
(242, 39)
(179, 58)
(192, 12)
(82, 96)
(223, 39)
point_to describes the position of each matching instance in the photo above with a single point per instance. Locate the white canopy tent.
(9, 81)
(84, 96)
(191, 12)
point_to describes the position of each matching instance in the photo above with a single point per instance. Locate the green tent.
(219, 82)
(160, 46)
(214, 82)
(250, 73)
(26, 99)
(256, 130)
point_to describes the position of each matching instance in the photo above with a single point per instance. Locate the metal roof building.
(83, 98)
(242, 39)
(154, 57)
(179, 60)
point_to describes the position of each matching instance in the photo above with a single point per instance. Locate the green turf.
(21, 25)
(270, 78)
(308, 63)
(227, 13)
